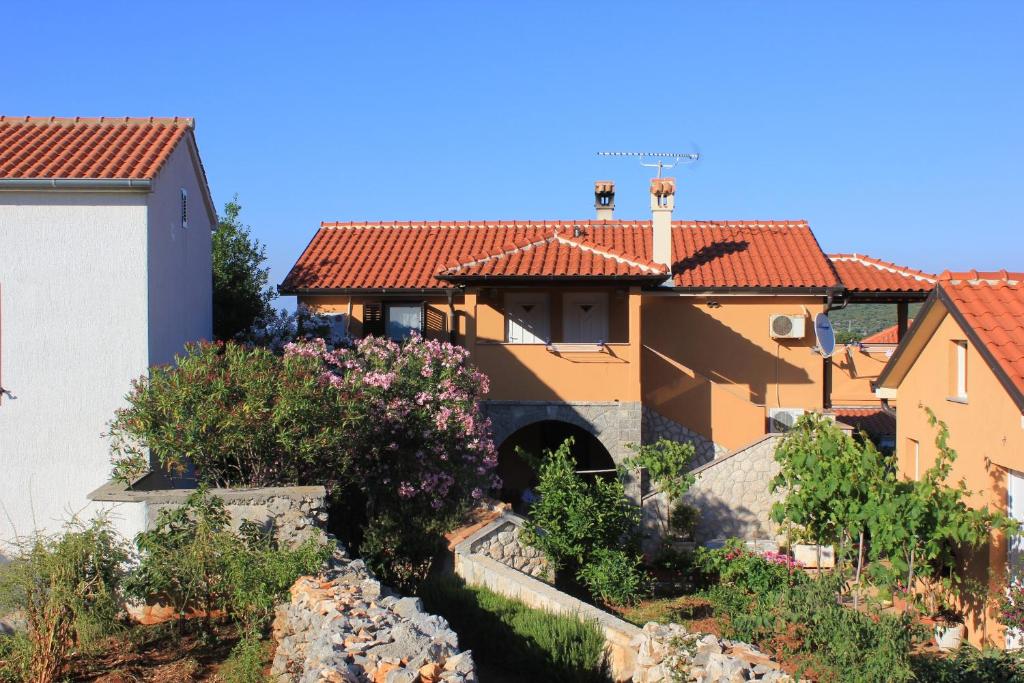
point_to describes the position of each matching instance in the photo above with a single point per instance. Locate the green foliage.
(240, 292)
(969, 665)
(530, 644)
(857, 321)
(15, 658)
(68, 588)
(572, 518)
(743, 570)
(832, 481)
(588, 530)
(838, 643)
(246, 662)
(667, 463)
(242, 416)
(683, 520)
(191, 561)
(400, 553)
(615, 576)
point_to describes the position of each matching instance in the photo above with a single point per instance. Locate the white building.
(105, 270)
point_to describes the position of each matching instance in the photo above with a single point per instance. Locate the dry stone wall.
(502, 544)
(344, 627)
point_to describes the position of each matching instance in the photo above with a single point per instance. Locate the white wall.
(73, 310)
(180, 276)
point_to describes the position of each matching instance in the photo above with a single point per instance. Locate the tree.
(240, 292)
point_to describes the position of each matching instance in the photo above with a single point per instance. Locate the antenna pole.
(661, 164)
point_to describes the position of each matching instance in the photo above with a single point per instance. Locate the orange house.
(964, 359)
(612, 331)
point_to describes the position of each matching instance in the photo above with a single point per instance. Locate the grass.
(513, 642)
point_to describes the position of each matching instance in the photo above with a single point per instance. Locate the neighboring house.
(964, 359)
(105, 270)
(611, 331)
(856, 366)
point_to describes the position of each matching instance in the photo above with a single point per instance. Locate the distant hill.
(857, 321)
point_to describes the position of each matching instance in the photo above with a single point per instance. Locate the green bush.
(15, 658)
(246, 662)
(530, 644)
(615, 576)
(68, 588)
(970, 665)
(752, 573)
(573, 522)
(191, 560)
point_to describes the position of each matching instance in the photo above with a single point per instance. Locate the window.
(914, 453)
(339, 325)
(401, 319)
(585, 317)
(184, 208)
(527, 319)
(958, 370)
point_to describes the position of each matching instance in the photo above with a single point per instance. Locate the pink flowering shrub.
(1011, 606)
(399, 422)
(751, 572)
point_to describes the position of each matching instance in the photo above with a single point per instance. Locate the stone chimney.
(604, 199)
(663, 200)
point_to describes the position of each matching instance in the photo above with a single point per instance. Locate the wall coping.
(118, 492)
(733, 454)
(506, 402)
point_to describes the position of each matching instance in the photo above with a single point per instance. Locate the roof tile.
(861, 273)
(81, 148)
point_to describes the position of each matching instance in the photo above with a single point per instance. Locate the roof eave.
(333, 291)
(105, 184)
(545, 279)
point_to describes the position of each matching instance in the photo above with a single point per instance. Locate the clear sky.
(895, 128)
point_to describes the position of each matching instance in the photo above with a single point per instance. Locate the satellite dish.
(825, 335)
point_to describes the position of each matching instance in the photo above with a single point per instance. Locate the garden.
(394, 433)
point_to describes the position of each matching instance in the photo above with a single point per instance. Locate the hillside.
(859, 320)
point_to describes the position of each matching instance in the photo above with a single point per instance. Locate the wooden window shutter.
(433, 322)
(373, 320)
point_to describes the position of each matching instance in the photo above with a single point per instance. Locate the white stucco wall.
(94, 288)
(73, 335)
(180, 279)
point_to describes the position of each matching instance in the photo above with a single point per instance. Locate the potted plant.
(949, 628)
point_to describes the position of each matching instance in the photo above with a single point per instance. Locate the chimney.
(663, 200)
(604, 199)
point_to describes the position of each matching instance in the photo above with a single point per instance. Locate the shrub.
(191, 561)
(246, 662)
(68, 588)
(752, 573)
(15, 658)
(969, 665)
(528, 643)
(614, 576)
(242, 416)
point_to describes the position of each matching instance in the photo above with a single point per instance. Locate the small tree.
(668, 465)
(240, 292)
(590, 531)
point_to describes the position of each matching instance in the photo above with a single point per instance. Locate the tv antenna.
(657, 160)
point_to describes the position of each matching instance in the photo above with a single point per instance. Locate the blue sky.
(895, 128)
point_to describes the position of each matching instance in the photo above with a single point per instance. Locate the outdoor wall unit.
(788, 326)
(781, 420)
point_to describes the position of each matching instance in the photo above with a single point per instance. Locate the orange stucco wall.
(710, 364)
(715, 368)
(853, 371)
(986, 432)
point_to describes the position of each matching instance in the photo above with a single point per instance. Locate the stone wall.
(295, 513)
(656, 426)
(344, 627)
(477, 569)
(733, 493)
(501, 543)
(615, 424)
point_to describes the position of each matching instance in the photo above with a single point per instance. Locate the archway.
(518, 476)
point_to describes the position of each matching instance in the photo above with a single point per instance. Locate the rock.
(407, 607)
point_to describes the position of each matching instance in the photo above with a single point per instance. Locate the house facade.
(105, 270)
(611, 331)
(964, 359)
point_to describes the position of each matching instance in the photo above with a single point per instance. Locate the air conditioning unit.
(782, 419)
(788, 326)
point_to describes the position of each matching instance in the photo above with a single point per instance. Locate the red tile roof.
(861, 273)
(887, 336)
(992, 305)
(707, 254)
(875, 421)
(80, 148)
(560, 254)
